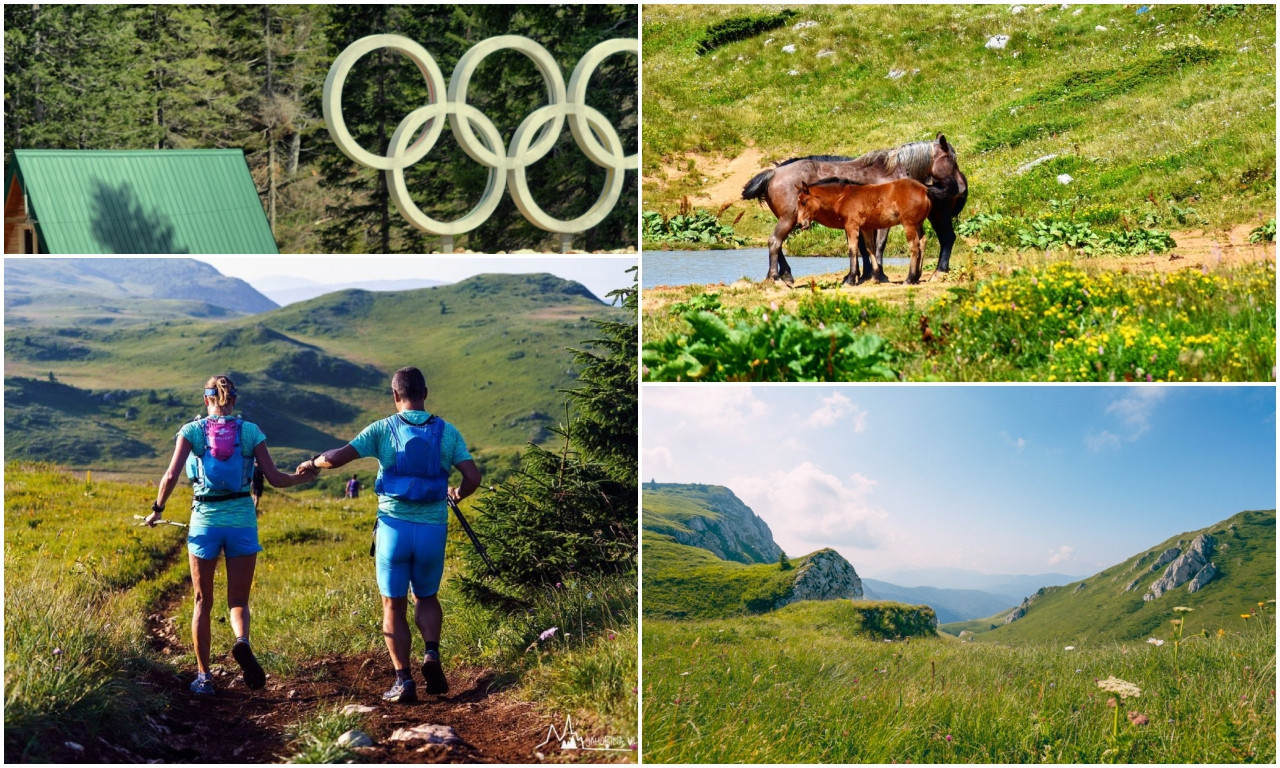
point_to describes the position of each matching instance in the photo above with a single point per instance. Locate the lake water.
(705, 267)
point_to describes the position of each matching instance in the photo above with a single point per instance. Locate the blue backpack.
(221, 471)
(416, 475)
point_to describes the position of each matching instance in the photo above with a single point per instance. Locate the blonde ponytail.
(222, 388)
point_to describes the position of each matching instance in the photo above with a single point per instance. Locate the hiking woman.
(219, 453)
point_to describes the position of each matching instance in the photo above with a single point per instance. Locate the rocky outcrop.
(1078, 588)
(1021, 610)
(1194, 565)
(825, 575)
(1133, 584)
(1164, 559)
(731, 531)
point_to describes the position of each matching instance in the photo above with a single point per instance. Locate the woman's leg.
(202, 582)
(239, 582)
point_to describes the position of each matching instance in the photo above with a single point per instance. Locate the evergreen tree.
(784, 562)
(572, 511)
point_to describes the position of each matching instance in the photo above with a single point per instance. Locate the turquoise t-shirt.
(376, 441)
(232, 513)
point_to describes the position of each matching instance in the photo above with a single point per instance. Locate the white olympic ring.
(593, 133)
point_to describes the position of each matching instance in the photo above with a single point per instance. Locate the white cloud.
(703, 404)
(834, 408)
(808, 508)
(1134, 411)
(1098, 441)
(1017, 443)
(657, 461)
(1063, 554)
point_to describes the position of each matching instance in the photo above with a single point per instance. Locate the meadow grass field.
(1048, 320)
(1164, 118)
(81, 581)
(809, 684)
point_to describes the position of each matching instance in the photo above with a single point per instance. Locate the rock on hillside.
(1193, 566)
(713, 518)
(825, 575)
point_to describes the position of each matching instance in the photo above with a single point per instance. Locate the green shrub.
(740, 28)
(767, 347)
(696, 226)
(1265, 233)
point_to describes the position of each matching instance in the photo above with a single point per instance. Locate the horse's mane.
(838, 180)
(816, 159)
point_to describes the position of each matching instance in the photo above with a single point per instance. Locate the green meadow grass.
(805, 684)
(72, 545)
(1065, 320)
(1164, 111)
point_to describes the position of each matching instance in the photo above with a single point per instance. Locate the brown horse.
(933, 163)
(864, 209)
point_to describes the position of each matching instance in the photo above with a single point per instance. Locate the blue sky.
(599, 273)
(997, 479)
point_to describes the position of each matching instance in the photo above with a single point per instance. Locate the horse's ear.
(802, 188)
(942, 142)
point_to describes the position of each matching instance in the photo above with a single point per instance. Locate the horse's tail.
(758, 187)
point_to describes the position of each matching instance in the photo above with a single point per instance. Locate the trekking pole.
(472, 534)
(160, 522)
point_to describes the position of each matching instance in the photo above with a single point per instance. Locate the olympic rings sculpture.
(478, 136)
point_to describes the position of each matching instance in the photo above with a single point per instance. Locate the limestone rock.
(431, 734)
(355, 738)
(357, 709)
(825, 576)
(1133, 584)
(731, 531)
(1184, 568)
(1021, 610)
(1077, 589)
(1165, 558)
(1205, 576)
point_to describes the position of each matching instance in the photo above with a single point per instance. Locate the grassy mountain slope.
(688, 582)
(1160, 112)
(1097, 608)
(493, 349)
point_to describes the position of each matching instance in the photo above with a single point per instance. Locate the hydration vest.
(222, 470)
(416, 475)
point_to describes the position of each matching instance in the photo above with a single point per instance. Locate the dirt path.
(237, 725)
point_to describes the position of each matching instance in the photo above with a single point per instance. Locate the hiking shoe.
(433, 673)
(202, 686)
(402, 692)
(254, 677)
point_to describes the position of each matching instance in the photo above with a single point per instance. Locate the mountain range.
(86, 389)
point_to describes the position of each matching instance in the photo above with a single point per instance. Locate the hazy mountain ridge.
(132, 279)
(1110, 605)
(495, 350)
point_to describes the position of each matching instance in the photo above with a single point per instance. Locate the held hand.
(307, 469)
(454, 495)
(152, 519)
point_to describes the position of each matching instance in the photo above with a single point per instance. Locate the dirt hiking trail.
(237, 725)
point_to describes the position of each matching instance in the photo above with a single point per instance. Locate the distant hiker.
(353, 488)
(415, 451)
(257, 488)
(219, 453)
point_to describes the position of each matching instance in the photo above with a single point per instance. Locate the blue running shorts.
(207, 542)
(409, 553)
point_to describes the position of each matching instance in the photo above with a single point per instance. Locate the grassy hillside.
(688, 582)
(1097, 609)
(808, 684)
(493, 349)
(1163, 119)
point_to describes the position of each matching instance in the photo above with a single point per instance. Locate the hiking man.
(415, 451)
(353, 488)
(219, 454)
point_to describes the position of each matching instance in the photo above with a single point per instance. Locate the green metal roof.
(143, 201)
